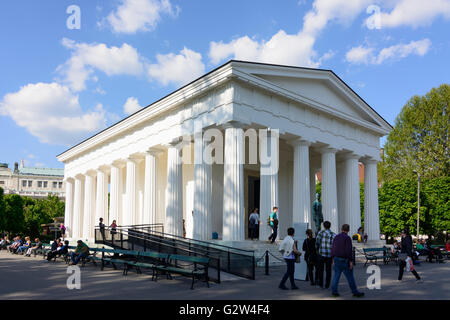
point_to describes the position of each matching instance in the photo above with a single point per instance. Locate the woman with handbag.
(291, 255)
(405, 256)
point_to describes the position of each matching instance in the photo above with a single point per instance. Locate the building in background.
(32, 182)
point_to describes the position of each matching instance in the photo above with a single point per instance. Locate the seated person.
(37, 246)
(433, 252)
(61, 250)
(25, 247)
(81, 251)
(4, 242)
(16, 244)
(447, 246)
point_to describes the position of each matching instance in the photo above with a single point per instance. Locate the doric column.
(351, 197)
(202, 191)
(233, 191)
(301, 183)
(130, 216)
(115, 194)
(268, 180)
(371, 213)
(77, 220)
(151, 164)
(329, 192)
(174, 192)
(68, 214)
(89, 206)
(101, 201)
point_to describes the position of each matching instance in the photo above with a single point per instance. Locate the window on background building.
(2, 182)
(30, 183)
(39, 184)
(60, 185)
(55, 184)
(24, 183)
(45, 184)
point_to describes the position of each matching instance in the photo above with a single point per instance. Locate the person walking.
(288, 249)
(273, 222)
(324, 242)
(342, 256)
(309, 247)
(62, 229)
(253, 222)
(405, 253)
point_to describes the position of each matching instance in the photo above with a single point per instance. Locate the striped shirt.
(324, 242)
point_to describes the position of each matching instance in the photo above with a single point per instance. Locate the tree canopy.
(419, 140)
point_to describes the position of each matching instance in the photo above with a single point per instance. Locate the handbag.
(409, 264)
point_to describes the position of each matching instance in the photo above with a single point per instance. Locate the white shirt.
(287, 246)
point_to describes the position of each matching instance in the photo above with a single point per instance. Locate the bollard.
(267, 263)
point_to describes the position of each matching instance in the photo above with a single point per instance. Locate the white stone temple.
(152, 178)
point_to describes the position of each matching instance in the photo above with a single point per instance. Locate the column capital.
(327, 150)
(233, 124)
(79, 177)
(154, 151)
(102, 168)
(90, 173)
(368, 161)
(69, 180)
(351, 155)
(119, 163)
(299, 142)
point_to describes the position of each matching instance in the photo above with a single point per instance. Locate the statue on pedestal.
(317, 213)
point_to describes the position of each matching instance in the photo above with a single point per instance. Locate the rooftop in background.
(41, 171)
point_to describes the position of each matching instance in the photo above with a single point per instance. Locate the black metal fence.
(149, 238)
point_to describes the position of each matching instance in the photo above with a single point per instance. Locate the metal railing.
(148, 238)
(236, 261)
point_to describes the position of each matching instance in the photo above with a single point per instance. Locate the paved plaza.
(35, 278)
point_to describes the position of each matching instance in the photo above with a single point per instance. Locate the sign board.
(301, 268)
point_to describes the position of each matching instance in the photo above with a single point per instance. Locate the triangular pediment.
(317, 85)
(320, 91)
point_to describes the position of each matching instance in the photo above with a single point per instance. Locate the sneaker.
(283, 287)
(294, 288)
(419, 281)
(358, 294)
(335, 294)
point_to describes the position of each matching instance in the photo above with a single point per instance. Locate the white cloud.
(177, 68)
(131, 106)
(293, 49)
(139, 15)
(124, 60)
(364, 55)
(359, 55)
(414, 13)
(52, 113)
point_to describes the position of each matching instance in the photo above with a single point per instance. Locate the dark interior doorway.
(253, 198)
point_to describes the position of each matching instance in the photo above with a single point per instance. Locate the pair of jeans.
(290, 263)
(253, 231)
(76, 257)
(342, 265)
(402, 266)
(273, 236)
(22, 248)
(312, 266)
(321, 262)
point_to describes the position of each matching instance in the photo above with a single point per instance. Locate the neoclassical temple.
(151, 177)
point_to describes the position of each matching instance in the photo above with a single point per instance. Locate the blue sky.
(60, 85)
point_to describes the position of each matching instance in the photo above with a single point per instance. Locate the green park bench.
(372, 255)
(190, 266)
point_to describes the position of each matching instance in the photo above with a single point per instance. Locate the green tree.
(2, 211)
(14, 216)
(420, 138)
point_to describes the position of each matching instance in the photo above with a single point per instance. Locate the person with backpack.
(309, 246)
(273, 222)
(253, 223)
